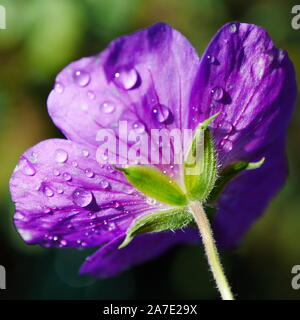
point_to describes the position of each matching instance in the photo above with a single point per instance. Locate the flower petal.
(247, 196)
(64, 197)
(144, 79)
(109, 260)
(243, 76)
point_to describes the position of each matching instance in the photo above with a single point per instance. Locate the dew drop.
(151, 201)
(161, 113)
(82, 197)
(111, 226)
(56, 172)
(211, 59)
(85, 153)
(59, 87)
(67, 176)
(61, 156)
(217, 93)
(108, 107)
(48, 192)
(26, 168)
(60, 191)
(104, 184)
(47, 210)
(233, 28)
(226, 145)
(81, 78)
(281, 55)
(138, 127)
(74, 164)
(33, 157)
(126, 79)
(91, 95)
(89, 173)
(63, 243)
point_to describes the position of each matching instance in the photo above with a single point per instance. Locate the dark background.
(44, 36)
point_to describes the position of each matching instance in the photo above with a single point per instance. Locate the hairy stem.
(211, 250)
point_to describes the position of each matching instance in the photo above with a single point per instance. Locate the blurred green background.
(44, 36)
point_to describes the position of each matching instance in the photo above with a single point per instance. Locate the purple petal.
(243, 76)
(109, 260)
(144, 78)
(246, 197)
(64, 197)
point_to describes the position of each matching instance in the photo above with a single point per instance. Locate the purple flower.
(154, 79)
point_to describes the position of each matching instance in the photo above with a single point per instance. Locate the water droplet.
(33, 157)
(82, 197)
(226, 126)
(108, 107)
(60, 191)
(161, 113)
(281, 55)
(56, 172)
(85, 153)
(217, 93)
(151, 201)
(48, 192)
(226, 145)
(126, 79)
(138, 127)
(47, 210)
(211, 59)
(111, 226)
(74, 164)
(63, 243)
(91, 95)
(59, 87)
(26, 168)
(61, 156)
(81, 78)
(232, 28)
(55, 238)
(89, 173)
(67, 176)
(104, 184)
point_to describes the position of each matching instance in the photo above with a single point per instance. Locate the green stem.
(211, 250)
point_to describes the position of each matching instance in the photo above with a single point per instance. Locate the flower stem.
(211, 250)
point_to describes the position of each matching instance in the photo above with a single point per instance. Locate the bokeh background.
(44, 36)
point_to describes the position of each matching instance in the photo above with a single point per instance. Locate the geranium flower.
(154, 79)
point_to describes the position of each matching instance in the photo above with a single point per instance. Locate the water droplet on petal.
(33, 157)
(85, 153)
(108, 107)
(74, 164)
(111, 226)
(151, 201)
(48, 192)
(138, 127)
(60, 191)
(82, 197)
(47, 210)
(89, 173)
(91, 95)
(59, 87)
(81, 78)
(63, 243)
(26, 168)
(281, 55)
(61, 156)
(226, 145)
(67, 176)
(217, 93)
(161, 113)
(104, 184)
(211, 59)
(226, 126)
(56, 172)
(232, 28)
(126, 79)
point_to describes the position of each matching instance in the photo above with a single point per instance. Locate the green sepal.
(160, 221)
(155, 184)
(229, 173)
(200, 174)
